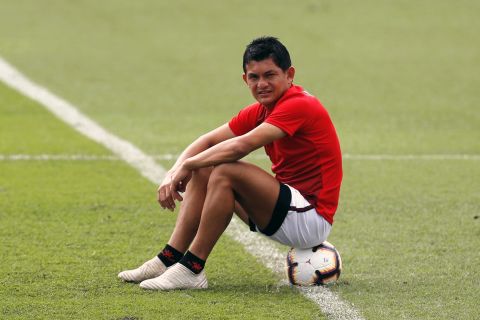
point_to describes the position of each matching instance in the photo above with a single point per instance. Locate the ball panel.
(328, 245)
(339, 262)
(304, 274)
(324, 260)
(320, 265)
(290, 269)
(326, 279)
(303, 255)
(290, 256)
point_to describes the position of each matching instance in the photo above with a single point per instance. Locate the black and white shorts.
(295, 222)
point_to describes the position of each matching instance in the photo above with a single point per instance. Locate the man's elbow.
(206, 140)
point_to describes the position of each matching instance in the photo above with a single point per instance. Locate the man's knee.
(222, 174)
(202, 174)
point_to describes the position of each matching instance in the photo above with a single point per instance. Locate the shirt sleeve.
(246, 120)
(289, 116)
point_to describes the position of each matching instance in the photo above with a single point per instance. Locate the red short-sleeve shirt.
(309, 157)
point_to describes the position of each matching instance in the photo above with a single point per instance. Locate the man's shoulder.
(299, 100)
(296, 94)
(248, 118)
(253, 106)
(254, 110)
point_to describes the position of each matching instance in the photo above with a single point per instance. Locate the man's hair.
(267, 47)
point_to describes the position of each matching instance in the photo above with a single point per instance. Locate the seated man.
(295, 207)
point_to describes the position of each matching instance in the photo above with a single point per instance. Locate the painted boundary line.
(331, 305)
(407, 157)
(171, 157)
(57, 157)
(69, 114)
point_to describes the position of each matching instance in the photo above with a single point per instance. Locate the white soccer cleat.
(177, 277)
(150, 269)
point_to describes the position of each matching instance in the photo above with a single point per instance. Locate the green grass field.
(398, 78)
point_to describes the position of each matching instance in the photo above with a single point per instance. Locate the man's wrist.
(187, 164)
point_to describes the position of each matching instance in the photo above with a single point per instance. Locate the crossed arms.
(213, 148)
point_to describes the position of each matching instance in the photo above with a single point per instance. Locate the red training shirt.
(309, 157)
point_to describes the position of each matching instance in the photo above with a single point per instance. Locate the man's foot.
(177, 277)
(150, 269)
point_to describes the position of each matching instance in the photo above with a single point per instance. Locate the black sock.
(169, 255)
(192, 262)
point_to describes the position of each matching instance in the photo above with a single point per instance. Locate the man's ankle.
(169, 255)
(192, 262)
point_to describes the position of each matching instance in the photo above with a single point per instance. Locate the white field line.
(372, 157)
(57, 157)
(70, 114)
(329, 302)
(402, 157)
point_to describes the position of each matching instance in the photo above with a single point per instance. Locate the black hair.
(267, 47)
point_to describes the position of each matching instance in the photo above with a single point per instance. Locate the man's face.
(267, 81)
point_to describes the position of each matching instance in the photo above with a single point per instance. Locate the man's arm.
(226, 151)
(203, 143)
(234, 148)
(230, 149)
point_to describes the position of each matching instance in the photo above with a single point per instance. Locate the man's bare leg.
(255, 190)
(256, 193)
(185, 229)
(190, 210)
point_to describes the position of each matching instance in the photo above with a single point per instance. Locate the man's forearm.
(196, 147)
(226, 151)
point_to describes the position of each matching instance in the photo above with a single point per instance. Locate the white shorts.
(302, 226)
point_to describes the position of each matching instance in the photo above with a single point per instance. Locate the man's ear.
(244, 76)
(291, 73)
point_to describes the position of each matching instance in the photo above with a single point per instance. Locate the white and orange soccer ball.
(320, 265)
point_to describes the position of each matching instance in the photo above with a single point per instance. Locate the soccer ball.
(320, 265)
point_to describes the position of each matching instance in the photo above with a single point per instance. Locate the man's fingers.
(182, 186)
(168, 193)
(177, 196)
(165, 199)
(168, 204)
(175, 188)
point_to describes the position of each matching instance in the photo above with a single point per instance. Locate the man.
(295, 208)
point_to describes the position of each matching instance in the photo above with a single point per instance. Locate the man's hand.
(164, 197)
(174, 183)
(179, 182)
